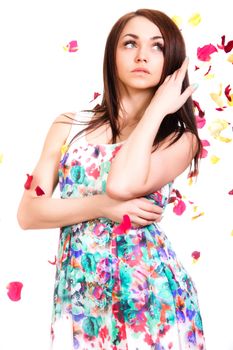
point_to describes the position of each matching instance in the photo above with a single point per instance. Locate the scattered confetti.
(14, 290)
(195, 19)
(27, 184)
(203, 53)
(39, 191)
(72, 46)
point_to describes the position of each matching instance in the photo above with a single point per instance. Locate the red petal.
(14, 290)
(207, 71)
(229, 46)
(53, 262)
(196, 255)
(39, 191)
(203, 53)
(230, 192)
(196, 68)
(227, 92)
(27, 184)
(179, 208)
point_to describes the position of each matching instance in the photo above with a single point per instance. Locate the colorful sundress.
(118, 292)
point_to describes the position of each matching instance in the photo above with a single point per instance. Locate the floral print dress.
(118, 292)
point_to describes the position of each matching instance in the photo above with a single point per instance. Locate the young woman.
(121, 287)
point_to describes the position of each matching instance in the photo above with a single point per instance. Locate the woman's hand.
(168, 98)
(141, 211)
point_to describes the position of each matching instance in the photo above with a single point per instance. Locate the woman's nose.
(141, 56)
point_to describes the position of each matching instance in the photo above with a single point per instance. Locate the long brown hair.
(174, 53)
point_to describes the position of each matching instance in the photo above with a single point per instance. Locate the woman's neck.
(133, 106)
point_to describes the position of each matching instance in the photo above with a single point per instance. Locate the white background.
(38, 81)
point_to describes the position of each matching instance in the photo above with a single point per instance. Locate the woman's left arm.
(136, 170)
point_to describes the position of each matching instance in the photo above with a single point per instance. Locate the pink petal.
(53, 262)
(179, 208)
(230, 192)
(196, 255)
(203, 53)
(14, 290)
(39, 191)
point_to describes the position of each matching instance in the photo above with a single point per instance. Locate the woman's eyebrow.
(137, 37)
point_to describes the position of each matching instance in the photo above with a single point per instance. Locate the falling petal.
(201, 113)
(14, 290)
(217, 126)
(124, 226)
(230, 102)
(204, 152)
(195, 19)
(217, 99)
(230, 58)
(27, 184)
(196, 68)
(196, 255)
(1, 158)
(227, 92)
(230, 192)
(72, 46)
(197, 216)
(232, 233)
(53, 262)
(39, 191)
(224, 139)
(96, 94)
(214, 159)
(200, 122)
(203, 53)
(178, 20)
(179, 208)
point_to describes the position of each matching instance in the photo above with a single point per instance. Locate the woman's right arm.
(38, 212)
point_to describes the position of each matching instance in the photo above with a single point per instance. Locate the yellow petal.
(209, 76)
(195, 208)
(190, 181)
(64, 149)
(178, 20)
(214, 159)
(224, 139)
(217, 99)
(230, 58)
(217, 126)
(197, 216)
(1, 158)
(195, 19)
(230, 103)
(232, 233)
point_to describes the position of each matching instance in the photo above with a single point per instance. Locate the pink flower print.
(93, 171)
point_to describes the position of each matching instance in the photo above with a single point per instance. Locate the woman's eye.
(158, 46)
(130, 44)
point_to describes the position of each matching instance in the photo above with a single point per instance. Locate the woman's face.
(139, 54)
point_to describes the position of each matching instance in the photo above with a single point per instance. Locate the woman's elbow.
(23, 220)
(117, 191)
